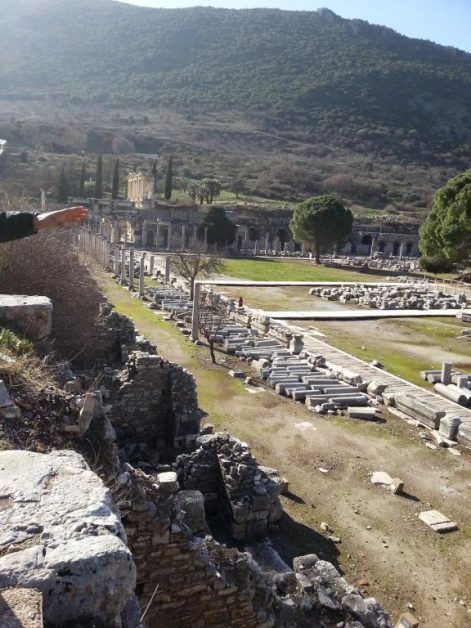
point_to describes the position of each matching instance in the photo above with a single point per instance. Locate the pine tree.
(83, 175)
(115, 183)
(99, 178)
(169, 179)
(154, 175)
(63, 187)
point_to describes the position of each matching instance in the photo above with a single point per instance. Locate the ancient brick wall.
(155, 409)
(193, 582)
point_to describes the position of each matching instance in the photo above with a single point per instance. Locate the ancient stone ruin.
(144, 545)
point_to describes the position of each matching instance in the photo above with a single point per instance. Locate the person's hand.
(61, 218)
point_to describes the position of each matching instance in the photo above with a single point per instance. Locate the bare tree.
(197, 265)
(212, 318)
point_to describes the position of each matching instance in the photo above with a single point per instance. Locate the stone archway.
(409, 249)
(382, 246)
(253, 234)
(366, 240)
(396, 248)
(283, 236)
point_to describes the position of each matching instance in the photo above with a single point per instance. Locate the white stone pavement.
(324, 315)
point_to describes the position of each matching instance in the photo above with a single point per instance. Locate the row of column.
(102, 251)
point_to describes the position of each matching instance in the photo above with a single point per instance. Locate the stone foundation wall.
(113, 338)
(193, 581)
(245, 494)
(155, 409)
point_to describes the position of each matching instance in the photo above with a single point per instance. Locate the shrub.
(438, 264)
(48, 264)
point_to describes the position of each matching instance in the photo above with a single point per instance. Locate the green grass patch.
(394, 361)
(283, 270)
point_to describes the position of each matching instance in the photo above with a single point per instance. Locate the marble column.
(267, 243)
(169, 237)
(131, 269)
(157, 237)
(196, 313)
(401, 250)
(141, 275)
(206, 238)
(116, 261)
(151, 264)
(167, 268)
(183, 237)
(255, 250)
(236, 241)
(373, 247)
(123, 265)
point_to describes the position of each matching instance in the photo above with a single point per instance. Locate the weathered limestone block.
(32, 316)
(61, 535)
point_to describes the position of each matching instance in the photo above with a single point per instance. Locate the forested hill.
(313, 67)
(309, 78)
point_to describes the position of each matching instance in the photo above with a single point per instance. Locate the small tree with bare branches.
(212, 318)
(197, 265)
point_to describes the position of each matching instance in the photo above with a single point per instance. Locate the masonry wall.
(155, 409)
(193, 582)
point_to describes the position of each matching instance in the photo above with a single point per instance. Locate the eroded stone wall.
(155, 409)
(193, 581)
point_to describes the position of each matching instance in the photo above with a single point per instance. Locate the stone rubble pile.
(300, 377)
(172, 300)
(234, 485)
(408, 297)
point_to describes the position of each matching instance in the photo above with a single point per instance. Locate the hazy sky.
(446, 22)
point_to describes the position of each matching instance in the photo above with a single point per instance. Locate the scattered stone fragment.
(236, 374)
(168, 481)
(367, 414)
(407, 620)
(437, 521)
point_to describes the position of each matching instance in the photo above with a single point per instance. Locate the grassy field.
(284, 270)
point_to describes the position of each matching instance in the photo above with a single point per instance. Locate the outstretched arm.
(60, 218)
(14, 225)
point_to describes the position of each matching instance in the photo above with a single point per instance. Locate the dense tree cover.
(221, 230)
(334, 77)
(446, 233)
(115, 182)
(169, 179)
(99, 177)
(323, 222)
(83, 174)
(63, 187)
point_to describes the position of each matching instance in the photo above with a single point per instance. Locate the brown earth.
(384, 547)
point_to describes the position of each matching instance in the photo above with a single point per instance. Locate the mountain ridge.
(306, 76)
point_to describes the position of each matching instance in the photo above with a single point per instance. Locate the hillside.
(302, 83)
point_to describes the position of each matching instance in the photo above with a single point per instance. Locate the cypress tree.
(169, 179)
(99, 177)
(115, 183)
(63, 188)
(154, 175)
(83, 174)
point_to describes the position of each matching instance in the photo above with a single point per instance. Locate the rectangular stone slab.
(437, 521)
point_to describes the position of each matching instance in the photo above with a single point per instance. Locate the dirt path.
(384, 547)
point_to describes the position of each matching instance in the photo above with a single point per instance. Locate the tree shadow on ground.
(293, 497)
(409, 496)
(293, 538)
